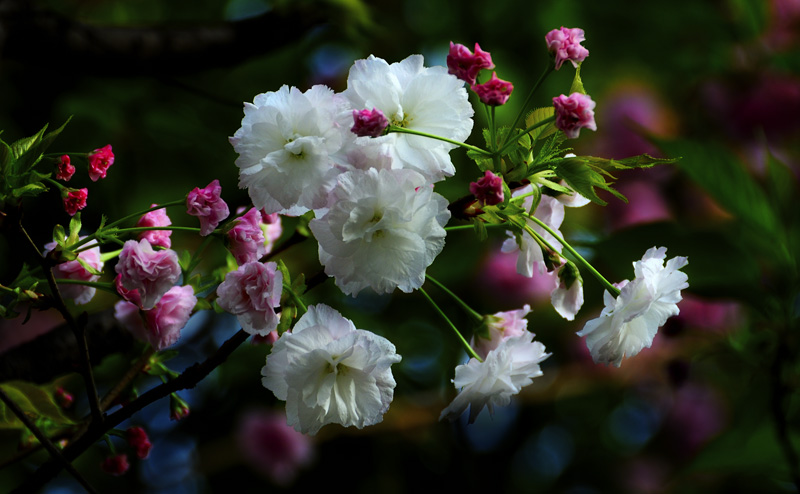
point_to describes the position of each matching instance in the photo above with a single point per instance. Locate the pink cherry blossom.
(494, 92)
(207, 205)
(574, 112)
(273, 447)
(488, 189)
(137, 438)
(465, 65)
(160, 326)
(157, 238)
(65, 169)
(99, 162)
(246, 240)
(152, 273)
(369, 123)
(565, 45)
(74, 200)
(74, 270)
(252, 293)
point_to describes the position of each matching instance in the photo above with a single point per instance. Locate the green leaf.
(577, 83)
(537, 116)
(184, 258)
(6, 158)
(583, 179)
(35, 401)
(480, 229)
(22, 146)
(74, 230)
(299, 284)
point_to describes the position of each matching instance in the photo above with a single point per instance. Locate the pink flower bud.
(494, 92)
(488, 189)
(64, 398)
(99, 162)
(75, 199)
(565, 45)
(137, 438)
(573, 113)
(150, 272)
(115, 465)
(369, 123)
(246, 240)
(465, 65)
(157, 238)
(207, 205)
(252, 293)
(65, 169)
(178, 409)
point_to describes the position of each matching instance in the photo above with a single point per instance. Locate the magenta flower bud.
(207, 205)
(115, 465)
(178, 409)
(246, 239)
(65, 169)
(465, 65)
(137, 438)
(99, 162)
(369, 123)
(152, 273)
(565, 45)
(488, 189)
(573, 113)
(158, 217)
(75, 199)
(494, 92)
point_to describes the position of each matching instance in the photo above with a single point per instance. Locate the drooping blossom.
(488, 189)
(329, 372)
(99, 162)
(286, 147)
(74, 270)
(465, 65)
(207, 205)
(65, 169)
(246, 239)
(115, 465)
(272, 446)
(157, 238)
(573, 113)
(252, 293)
(160, 326)
(414, 97)
(565, 46)
(383, 231)
(498, 327)
(530, 255)
(369, 123)
(567, 296)
(494, 92)
(152, 273)
(75, 199)
(505, 371)
(630, 321)
(138, 440)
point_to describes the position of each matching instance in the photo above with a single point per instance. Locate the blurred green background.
(712, 407)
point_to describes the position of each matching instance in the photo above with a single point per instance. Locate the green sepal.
(577, 83)
(288, 315)
(74, 230)
(569, 274)
(302, 224)
(184, 259)
(299, 284)
(287, 277)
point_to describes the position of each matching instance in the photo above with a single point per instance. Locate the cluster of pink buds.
(99, 161)
(465, 65)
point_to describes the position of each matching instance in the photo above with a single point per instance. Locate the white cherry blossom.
(530, 257)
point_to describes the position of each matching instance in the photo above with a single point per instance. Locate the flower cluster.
(467, 65)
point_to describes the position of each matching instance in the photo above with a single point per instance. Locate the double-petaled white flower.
(508, 368)
(630, 321)
(286, 147)
(329, 372)
(383, 229)
(425, 99)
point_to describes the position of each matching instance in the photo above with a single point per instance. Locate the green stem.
(135, 229)
(547, 70)
(295, 297)
(470, 351)
(511, 142)
(109, 287)
(611, 288)
(496, 161)
(475, 315)
(89, 238)
(403, 130)
(471, 227)
(195, 260)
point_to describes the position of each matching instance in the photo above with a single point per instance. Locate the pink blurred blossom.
(207, 205)
(494, 92)
(272, 447)
(465, 65)
(500, 280)
(115, 465)
(500, 326)
(698, 414)
(157, 238)
(138, 440)
(646, 204)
